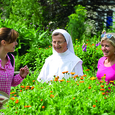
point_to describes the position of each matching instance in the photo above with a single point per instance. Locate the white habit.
(60, 62)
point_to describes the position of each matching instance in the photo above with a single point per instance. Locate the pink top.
(7, 78)
(109, 71)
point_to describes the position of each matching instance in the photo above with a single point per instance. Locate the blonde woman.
(106, 64)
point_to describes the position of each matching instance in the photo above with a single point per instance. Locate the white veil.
(67, 37)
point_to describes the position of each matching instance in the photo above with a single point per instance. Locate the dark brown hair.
(7, 34)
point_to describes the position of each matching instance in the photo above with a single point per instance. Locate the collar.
(62, 54)
(7, 63)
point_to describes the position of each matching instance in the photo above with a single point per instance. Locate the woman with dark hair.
(8, 42)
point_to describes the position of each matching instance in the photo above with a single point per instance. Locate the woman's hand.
(1, 102)
(24, 71)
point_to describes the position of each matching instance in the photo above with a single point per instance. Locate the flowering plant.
(65, 96)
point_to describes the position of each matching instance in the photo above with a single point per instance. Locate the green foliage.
(22, 10)
(35, 58)
(76, 25)
(57, 11)
(38, 11)
(92, 54)
(84, 97)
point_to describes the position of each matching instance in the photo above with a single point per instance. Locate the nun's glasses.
(107, 35)
(59, 42)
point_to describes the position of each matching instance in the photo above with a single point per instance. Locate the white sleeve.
(78, 69)
(42, 76)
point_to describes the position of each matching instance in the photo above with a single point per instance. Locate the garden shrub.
(22, 10)
(35, 58)
(91, 54)
(76, 25)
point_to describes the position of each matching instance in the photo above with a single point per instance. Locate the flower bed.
(81, 95)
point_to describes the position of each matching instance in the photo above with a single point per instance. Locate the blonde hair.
(111, 40)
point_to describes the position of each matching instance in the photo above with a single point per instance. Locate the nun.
(63, 58)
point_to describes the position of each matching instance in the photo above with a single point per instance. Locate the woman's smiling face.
(59, 43)
(107, 48)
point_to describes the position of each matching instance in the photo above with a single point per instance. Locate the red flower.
(81, 81)
(12, 92)
(103, 93)
(111, 81)
(27, 106)
(81, 78)
(51, 91)
(84, 75)
(102, 89)
(72, 73)
(92, 44)
(87, 69)
(43, 107)
(12, 98)
(33, 81)
(102, 86)
(61, 80)
(92, 78)
(51, 96)
(76, 76)
(56, 78)
(101, 81)
(64, 72)
(94, 106)
(32, 87)
(89, 87)
(105, 98)
(17, 101)
(22, 86)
